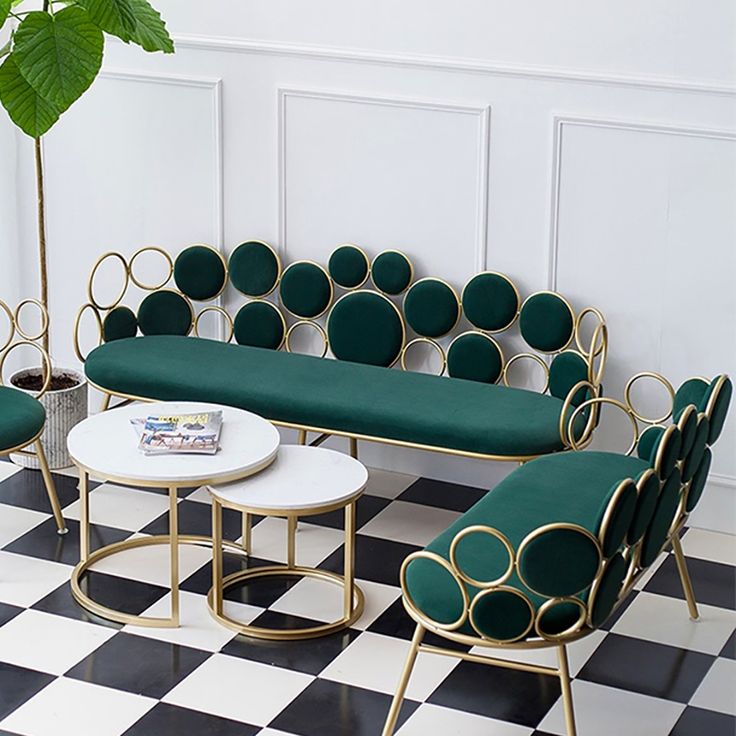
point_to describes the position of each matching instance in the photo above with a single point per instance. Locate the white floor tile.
(313, 543)
(226, 686)
(47, 643)
(7, 469)
(666, 620)
(708, 545)
(74, 708)
(407, 522)
(435, 719)
(607, 711)
(718, 689)
(120, 507)
(25, 580)
(386, 483)
(15, 522)
(375, 662)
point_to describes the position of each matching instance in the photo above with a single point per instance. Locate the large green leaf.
(27, 109)
(114, 16)
(150, 31)
(59, 55)
(4, 10)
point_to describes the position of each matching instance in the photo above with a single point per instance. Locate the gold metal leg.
(566, 690)
(217, 554)
(247, 532)
(302, 437)
(354, 447)
(687, 586)
(50, 488)
(83, 516)
(349, 571)
(411, 658)
(174, 548)
(105, 402)
(291, 541)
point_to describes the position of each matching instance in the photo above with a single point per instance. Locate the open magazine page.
(185, 433)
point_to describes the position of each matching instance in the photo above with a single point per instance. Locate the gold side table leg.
(247, 532)
(291, 541)
(83, 516)
(174, 548)
(349, 568)
(217, 573)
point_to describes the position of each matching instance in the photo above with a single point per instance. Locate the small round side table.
(106, 447)
(302, 481)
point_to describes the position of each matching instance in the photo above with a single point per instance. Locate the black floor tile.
(17, 684)
(27, 489)
(7, 612)
(331, 709)
(138, 665)
(43, 541)
(377, 560)
(729, 649)
(646, 667)
(365, 509)
(496, 692)
(305, 655)
(430, 492)
(699, 722)
(196, 518)
(171, 720)
(714, 583)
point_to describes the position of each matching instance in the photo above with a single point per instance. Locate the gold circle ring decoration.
(427, 341)
(220, 311)
(44, 319)
(579, 340)
(571, 630)
(11, 323)
(525, 356)
(110, 255)
(567, 405)
(45, 360)
(495, 534)
(495, 591)
(169, 267)
(579, 442)
(306, 323)
(77, 325)
(630, 403)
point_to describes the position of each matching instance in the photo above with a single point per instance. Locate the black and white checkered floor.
(653, 672)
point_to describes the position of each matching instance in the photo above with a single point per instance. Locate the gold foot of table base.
(287, 634)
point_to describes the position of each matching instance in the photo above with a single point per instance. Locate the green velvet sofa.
(470, 409)
(546, 556)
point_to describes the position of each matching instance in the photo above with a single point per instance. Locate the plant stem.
(42, 264)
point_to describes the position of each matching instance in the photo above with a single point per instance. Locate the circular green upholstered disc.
(567, 369)
(305, 289)
(348, 266)
(254, 268)
(688, 424)
(648, 441)
(475, 356)
(200, 272)
(690, 392)
(481, 557)
(365, 327)
(118, 323)
(719, 410)
(664, 514)
(259, 324)
(608, 590)
(434, 591)
(559, 562)
(501, 615)
(165, 313)
(547, 322)
(392, 272)
(645, 505)
(691, 462)
(620, 516)
(431, 307)
(697, 484)
(490, 301)
(667, 452)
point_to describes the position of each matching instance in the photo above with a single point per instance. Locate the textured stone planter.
(64, 409)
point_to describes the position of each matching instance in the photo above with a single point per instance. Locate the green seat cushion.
(21, 418)
(431, 307)
(568, 488)
(332, 394)
(490, 301)
(254, 268)
(200, 272)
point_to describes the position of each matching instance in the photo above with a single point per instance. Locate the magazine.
(185, 433)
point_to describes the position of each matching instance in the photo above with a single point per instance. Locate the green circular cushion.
(490, 301)
(648, 442)
(567, 369)
(720, 409)
(254, 268)
(305, 289)
(697, 484)
(199, 272)
(431, 308)
(559, 562)
(608, 590)
(481, 556)
(165, 313)
(664, 514)
(620, 519)
(434, 590)
(365, 327)
(546, 322)
(348, 266)
(119, 322)
(690, 392)
(691, 462)
(23, 417)
(501, 615)
(688, 430)
(260, 325)
(645, 505)
(392, 272)
(667, 449)
(474, 357)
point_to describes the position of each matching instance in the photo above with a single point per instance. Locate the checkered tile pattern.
(651, 672)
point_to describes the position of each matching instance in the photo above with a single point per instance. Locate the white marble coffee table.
(302, 481)
(105, 446)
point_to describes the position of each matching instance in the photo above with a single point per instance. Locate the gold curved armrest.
(567, 405)
(45, 363)
(77, 323)
(630, 404)
(580, 442)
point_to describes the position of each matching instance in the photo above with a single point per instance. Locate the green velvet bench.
(546, 557)
(470, 409)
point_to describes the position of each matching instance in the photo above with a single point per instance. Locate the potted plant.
(51, 58)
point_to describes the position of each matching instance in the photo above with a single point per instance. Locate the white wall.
(584, 145)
